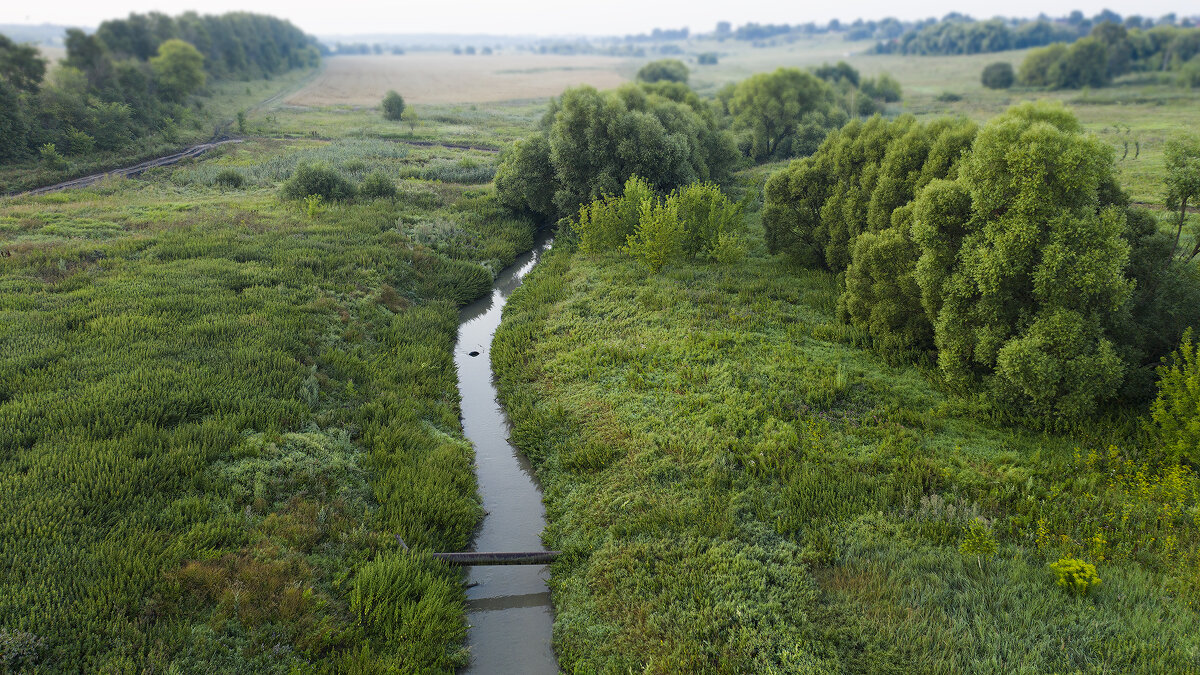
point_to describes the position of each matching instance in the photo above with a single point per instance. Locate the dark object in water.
(472, 353)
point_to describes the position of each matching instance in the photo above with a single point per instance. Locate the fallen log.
(494, 558)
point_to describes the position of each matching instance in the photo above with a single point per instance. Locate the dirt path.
(194, 151)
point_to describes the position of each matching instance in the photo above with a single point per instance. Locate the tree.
(593, 142)
(786, 113)
(998, 75)
(669, 70)
(1026, 302)
(21, 65)
(14, 125)
(1181, 155)
(393, 106)
(178, 69)
(1037, 68)
(1176, 411)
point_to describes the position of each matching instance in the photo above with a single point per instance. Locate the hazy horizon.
(549, 18)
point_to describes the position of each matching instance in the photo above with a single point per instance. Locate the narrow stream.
(508, 607)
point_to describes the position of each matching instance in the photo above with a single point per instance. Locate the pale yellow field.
(441, 77)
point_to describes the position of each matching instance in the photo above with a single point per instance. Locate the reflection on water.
(508, 607)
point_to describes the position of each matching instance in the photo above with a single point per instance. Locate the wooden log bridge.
(471, 558)
(495, 558)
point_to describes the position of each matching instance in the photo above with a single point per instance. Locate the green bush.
(51, 158)
(998, 75)
(669, 70)
(393, 106)
(377, 186)
(707, 59)
(978, 543)
(230, 178)
(318, 179)
(1075, 575)
(1176, 411)
(659, 236)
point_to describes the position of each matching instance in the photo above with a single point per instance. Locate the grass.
(219, 411)
(738, 485)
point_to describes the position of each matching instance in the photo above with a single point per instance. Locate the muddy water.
(508, 607)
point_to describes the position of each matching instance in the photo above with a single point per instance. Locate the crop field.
(443, 77)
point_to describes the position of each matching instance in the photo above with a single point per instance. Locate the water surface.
(508, 607)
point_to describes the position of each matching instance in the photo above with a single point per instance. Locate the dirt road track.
(194, 151)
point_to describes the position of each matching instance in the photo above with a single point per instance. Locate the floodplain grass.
(220, 409)
(739, 485)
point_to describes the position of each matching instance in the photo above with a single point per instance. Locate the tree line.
(960, 34)
(133, 78)
(1008, 255)
(1112, 50)
(591, 142)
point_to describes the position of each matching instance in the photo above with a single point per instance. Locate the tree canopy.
(1009, 253)
(592, 142)
(664, 70)
(178, 68)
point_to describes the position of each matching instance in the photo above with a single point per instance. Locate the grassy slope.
(217, 411)
(740, 487)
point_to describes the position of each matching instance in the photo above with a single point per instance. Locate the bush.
(948, 97)
(230, 178)
(51, 158)
(707, 59)
(669, 70)
(377, 186)
(998, 75)
(978, 543)
(1075, 575)
(659, 236)
(318, 179)
(1176, 411)
(393, 106)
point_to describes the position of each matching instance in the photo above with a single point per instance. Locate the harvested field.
(446, 78)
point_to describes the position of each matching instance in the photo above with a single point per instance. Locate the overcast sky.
(557, 17)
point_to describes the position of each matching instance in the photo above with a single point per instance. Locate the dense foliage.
(393, 106)
(592, 142)
(693, 220)
(1176, 410)
(134, 78)
(664, 70)
(960, 35)
(998, 75)
(1008, 253)
(1109, 51)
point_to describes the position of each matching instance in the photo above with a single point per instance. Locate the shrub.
(670, 70)
(377, 186)
(230, 178)
(948, 97)
(978, 543)
(707, 214)
(998, 75)
(393, 106)
(606, 223)
(318, 179)
(51, 158)
(659, 237)
(1176, 411)
(1075, 575)
(707, 59)
(79, 143)
(885, 88)
(314, 205)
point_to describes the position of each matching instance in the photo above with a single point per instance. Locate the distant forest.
(132, 78)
